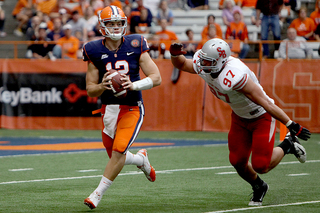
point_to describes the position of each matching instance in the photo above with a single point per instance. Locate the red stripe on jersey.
(240, 84)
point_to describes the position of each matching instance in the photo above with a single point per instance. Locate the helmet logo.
(221, 52)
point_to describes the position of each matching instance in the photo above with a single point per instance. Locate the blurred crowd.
(71, 23)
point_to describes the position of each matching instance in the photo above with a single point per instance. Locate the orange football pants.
(129, 122)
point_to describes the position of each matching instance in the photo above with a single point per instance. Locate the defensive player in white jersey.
(253, 113)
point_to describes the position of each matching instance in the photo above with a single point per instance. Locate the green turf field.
(189, 179)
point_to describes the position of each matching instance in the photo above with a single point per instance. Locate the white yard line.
(121, 174)
(301, 174)
(264, 207)
(19, 170)
(89, 170)
(226, 173)
(135, 173)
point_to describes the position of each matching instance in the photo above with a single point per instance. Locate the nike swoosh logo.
(301, 151)
(130, 53)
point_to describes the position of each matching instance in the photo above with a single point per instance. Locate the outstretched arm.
(178, 60)
(255, 94)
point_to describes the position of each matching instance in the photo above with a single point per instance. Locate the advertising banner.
(42, 94)
(45, 96)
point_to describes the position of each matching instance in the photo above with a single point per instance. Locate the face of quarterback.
(114, 26)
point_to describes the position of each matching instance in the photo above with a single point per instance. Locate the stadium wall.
(44, 94)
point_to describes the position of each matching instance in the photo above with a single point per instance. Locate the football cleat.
(258, 195)
(93, 200)
(297, 149)
(147, 169)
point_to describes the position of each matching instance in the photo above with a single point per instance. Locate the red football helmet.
(112, 14)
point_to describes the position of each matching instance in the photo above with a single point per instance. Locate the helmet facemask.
(212, 56)
(207, 65)
(110, 31)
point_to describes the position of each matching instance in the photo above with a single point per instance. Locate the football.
(117, 89)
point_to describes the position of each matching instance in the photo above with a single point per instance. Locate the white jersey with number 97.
(232, 78)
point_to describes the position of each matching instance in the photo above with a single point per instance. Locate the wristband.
(174, 56)
(289, 123)
(143, 84)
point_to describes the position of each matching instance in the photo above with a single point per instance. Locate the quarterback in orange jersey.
(122, 118)
(252, 130)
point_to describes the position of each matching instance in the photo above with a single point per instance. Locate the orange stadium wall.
(42, 94)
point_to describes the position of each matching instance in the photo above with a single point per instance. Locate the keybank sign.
(26, 96)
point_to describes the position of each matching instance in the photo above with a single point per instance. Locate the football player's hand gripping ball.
(177, 49)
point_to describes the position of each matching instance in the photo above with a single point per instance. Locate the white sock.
(104, 184)
(132, 159)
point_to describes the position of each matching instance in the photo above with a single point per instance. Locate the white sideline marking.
(301, 174)
(263, 207)
(121, 174)
(89, 170)
(195, 169)
(51, 179)
(226, 173)
(22, 169)
(135, 173)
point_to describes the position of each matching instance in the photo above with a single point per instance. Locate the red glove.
(177, 49)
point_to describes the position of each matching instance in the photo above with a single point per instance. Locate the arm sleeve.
(241, 83)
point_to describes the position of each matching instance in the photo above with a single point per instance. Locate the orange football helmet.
(112, 14)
